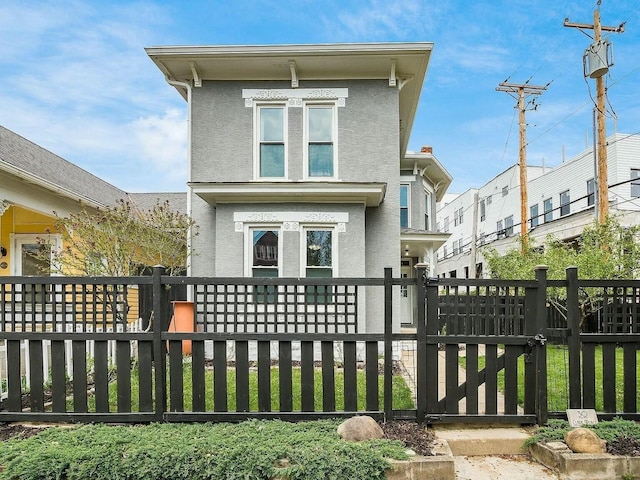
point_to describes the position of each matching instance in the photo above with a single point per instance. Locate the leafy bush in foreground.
(609, 430)
(249, 450)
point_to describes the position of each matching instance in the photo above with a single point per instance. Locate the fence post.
(160, 324)
(388, 345)
(540, 348)
(573, 339)
(421, 344)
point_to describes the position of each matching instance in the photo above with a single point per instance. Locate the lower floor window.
(319, 262)
(265, 248)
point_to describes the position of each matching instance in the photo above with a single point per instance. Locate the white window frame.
(508, 226)
(634, 188)
(257, 141)
(534, 219)
(248, 246)
(334, 138)
(303, 247)
(428, 210)
(547, 212)
(591, 192)
(408, 187)
(565, 203)
(19, 239)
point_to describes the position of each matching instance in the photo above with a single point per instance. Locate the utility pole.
(598, 64)
(520, 92)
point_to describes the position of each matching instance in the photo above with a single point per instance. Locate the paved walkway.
(501, 467)
(493, 463)
(408, 358)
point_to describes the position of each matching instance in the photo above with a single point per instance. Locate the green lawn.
(558, 378)
(401, 393)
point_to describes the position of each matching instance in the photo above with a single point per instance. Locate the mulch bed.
(415, 436)
(16, 430)
(625, 446)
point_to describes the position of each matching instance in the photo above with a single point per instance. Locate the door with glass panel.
(406, 295)
(28, 260)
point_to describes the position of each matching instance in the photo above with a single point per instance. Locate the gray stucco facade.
(371, 92)
(367, 145)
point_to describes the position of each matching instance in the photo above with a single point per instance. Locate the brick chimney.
(426, 149)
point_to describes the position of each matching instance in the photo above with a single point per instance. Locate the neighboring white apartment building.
(560, 202)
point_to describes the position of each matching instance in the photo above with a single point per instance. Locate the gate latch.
(539, 339)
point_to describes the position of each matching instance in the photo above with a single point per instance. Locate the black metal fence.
(101, 349)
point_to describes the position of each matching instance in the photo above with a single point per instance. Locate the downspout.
(187, 87)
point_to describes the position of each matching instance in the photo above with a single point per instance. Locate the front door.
(406, 296)
(25, 261)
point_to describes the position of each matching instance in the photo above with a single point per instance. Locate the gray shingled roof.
(34, 163)
(146, 201)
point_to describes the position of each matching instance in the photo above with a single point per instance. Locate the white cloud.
(161, 142)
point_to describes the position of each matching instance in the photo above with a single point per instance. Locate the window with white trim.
(265, 246)
(635, 182)
(548, 209)
(428, 205)
(508, 225)
(535, 218)
(591, 192)
(404, 206)
(565, 203)
(271, 141)
(318, 252)
(265, 252)
(320, 140)
(319, 262)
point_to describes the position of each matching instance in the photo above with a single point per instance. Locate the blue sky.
(75, 79)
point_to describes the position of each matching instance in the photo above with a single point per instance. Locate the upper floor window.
(457, 216)
(508, 225)
(404, 206)
(488, 199)
(320, 131)
(446, 224)
(483, 210)
(428, 205)
(591, 192)
(505, 190)
(635, 182)
(500, 231)
(535, 218)
(271, 141)
(548, 210)
(565, 203)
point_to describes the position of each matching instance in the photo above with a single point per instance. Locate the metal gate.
(481, 351)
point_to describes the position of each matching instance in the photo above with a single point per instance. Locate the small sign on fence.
(581, 416)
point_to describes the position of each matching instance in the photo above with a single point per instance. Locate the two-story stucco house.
(298, 163)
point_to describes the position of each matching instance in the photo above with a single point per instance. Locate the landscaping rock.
(584, 440)
(358, 428)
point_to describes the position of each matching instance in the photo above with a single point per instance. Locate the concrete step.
(483, 441)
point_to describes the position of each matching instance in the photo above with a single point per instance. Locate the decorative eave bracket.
(197, 81)
(392, 74)
(294, 74)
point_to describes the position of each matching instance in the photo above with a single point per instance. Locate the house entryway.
(407, 292)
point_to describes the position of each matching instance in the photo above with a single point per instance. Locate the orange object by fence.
(182, 321)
